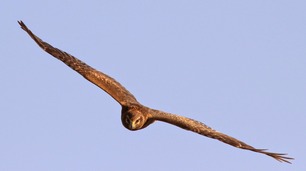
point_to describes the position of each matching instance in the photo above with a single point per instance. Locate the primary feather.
(135, 116)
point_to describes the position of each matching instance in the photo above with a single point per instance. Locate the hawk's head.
(135, 117)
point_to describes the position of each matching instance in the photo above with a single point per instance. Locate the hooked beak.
(132, 126)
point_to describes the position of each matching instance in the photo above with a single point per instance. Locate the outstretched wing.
(200, 128)
(105, 82)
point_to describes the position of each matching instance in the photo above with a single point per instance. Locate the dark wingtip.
(23, 26)
(20, 23)
(281, 157)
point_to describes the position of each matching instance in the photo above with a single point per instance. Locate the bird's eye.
(137, 121)
(127, 120)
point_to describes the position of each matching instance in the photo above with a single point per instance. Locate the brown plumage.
(135, 116)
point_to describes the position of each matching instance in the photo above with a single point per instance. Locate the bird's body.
(135, 116)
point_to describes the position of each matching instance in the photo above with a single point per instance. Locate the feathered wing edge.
(202, 129)
(105, 82)
(123, 96)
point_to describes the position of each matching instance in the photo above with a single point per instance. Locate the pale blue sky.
(239, 67)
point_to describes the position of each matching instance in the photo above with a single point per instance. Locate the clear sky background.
(238, 66)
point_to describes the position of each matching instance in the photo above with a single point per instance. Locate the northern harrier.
(135, 116)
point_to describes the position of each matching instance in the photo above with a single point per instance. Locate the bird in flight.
(134, 115)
